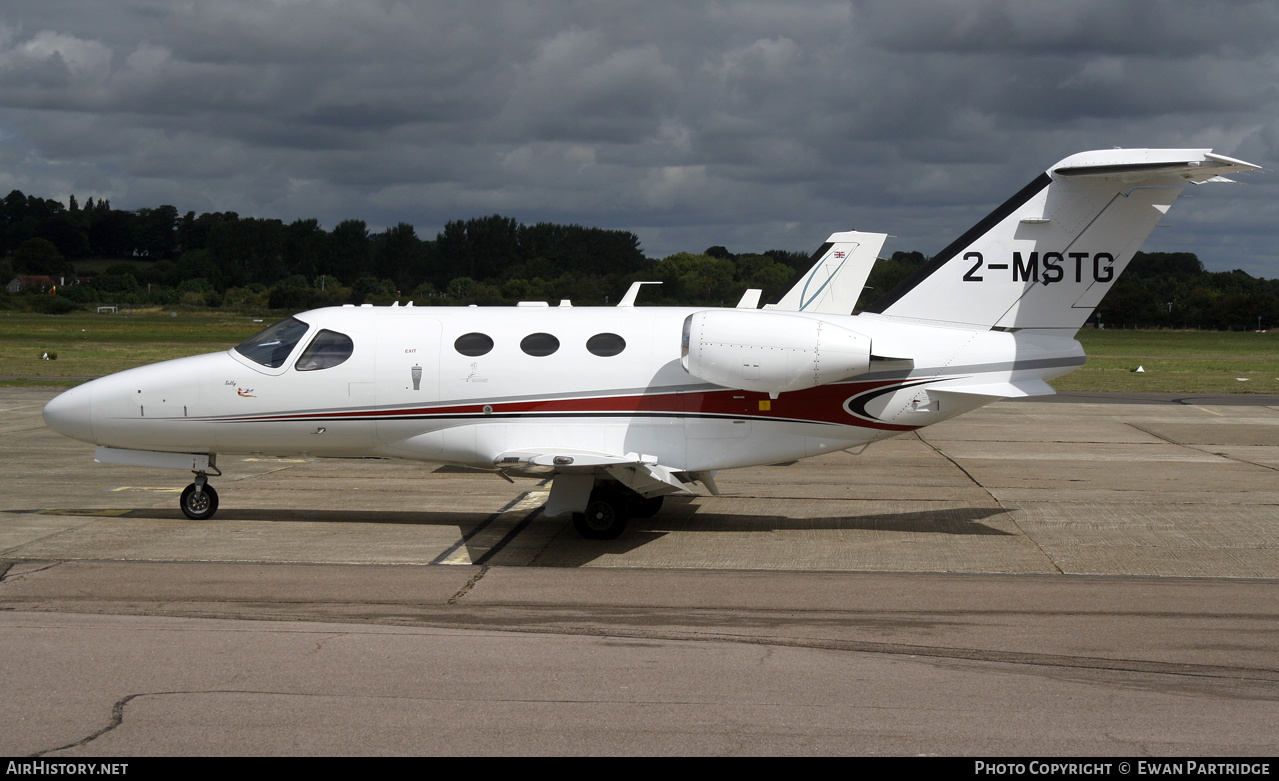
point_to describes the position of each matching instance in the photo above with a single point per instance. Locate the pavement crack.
(324, 639)
(994, 499)
(1236, 459)
(1160, 437)
(1200, 449)
(453, 600)
(117, 718)
(5, 566)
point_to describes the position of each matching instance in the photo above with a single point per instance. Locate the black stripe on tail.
(972, 234)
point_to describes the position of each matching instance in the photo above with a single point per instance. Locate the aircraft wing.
(640, 473)
(576, 472)
(555, 460)
(837, 276)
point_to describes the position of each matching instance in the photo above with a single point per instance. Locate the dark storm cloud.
(748, 124)
(1133, 28)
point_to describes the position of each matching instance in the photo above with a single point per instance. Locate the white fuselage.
(624, 405)
(406, 391)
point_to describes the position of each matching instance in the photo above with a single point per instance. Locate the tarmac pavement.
(1083, 577)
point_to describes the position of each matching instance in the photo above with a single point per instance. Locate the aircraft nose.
(71, 413)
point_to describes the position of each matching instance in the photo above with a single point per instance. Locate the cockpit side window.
(272, 346)
(327, 349)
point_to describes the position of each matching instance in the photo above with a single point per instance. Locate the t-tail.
(1047, 256)
(834, 282)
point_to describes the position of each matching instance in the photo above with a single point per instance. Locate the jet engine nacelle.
(769, 352)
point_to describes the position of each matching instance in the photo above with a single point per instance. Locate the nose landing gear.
(199, 501)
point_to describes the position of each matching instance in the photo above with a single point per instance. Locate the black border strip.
(473, 533)
(464, 416)
(972, 234)
(510, 535)
(862, 399)
(1119, 168)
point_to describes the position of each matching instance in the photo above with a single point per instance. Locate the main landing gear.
(609, 508)
(199, 501)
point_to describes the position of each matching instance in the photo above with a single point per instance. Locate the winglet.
(629, 298)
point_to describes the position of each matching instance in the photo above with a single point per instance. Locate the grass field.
(1177, 362)
(91, 345)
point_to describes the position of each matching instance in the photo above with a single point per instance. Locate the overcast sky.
(754, 125)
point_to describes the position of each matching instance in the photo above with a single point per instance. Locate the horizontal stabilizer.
(1191, 164)
(1003, 390)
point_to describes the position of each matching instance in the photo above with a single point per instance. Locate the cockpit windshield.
(271, 347)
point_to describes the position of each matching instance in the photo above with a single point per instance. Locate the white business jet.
(624, 405)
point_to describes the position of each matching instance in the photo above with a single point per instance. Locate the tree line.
(222, 259)
(162, 257)
(1157, 290)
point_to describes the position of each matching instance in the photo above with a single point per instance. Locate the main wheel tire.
(646, 508)
(604, 519)
(199, 505)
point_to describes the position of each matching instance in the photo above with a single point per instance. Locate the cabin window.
(539, 345)
(272, 346)
(327, 349)
(473, 344)
(605, 345)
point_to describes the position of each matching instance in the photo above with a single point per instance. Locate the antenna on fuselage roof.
(629, 298)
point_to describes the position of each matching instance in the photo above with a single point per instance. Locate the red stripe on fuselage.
(823, 404)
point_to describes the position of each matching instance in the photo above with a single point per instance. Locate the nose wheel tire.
(603, 519)
(199, 504)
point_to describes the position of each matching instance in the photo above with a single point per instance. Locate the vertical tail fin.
(835, 280)
(1045, 258)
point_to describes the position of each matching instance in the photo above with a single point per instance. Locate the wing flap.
(639, 472)
(647, 480)
(576, 473)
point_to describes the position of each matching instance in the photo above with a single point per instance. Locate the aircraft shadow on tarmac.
(281, 515)
(572, 551)
(951, 520)
(565, 548)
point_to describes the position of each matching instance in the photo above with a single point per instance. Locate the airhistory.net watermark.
(41, 767)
